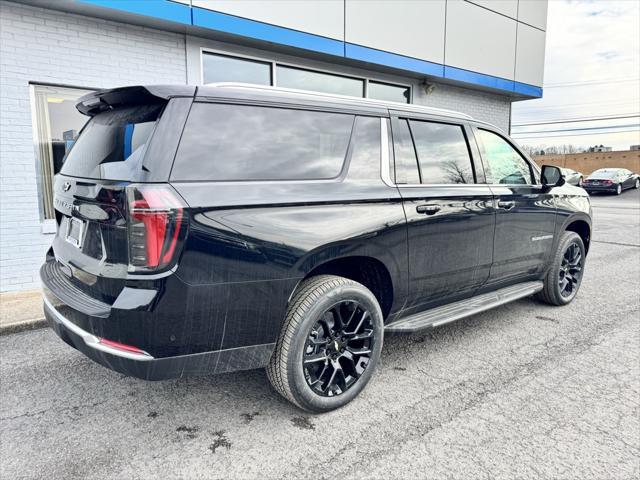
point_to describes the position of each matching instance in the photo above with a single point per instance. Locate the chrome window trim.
(91, 340)
(385, 158)
(447, 185)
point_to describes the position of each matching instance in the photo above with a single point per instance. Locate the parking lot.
(523, 391)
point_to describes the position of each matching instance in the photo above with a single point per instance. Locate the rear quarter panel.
(250, 244)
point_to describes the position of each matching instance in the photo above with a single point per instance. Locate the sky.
(592, 70)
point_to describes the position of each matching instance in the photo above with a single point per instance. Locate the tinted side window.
(503, 164)
(443, 154)
(406, 165)
(365, 153)
(240, 142)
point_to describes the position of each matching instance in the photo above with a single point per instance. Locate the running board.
(463, 308)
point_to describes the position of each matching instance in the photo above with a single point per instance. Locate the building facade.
(476, 57)
(588, 162)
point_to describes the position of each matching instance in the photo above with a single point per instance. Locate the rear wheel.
(618, 189)
(329, 345)
(580, 181)
(565, 275)
(637, 184)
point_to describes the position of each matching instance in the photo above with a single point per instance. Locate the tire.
(308, 333)
(619, 189)
(580, 181)
(553, 291)
(637, 184)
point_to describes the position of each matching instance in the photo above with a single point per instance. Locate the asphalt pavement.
(522, 391)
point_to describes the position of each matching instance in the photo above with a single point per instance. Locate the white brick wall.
(39, 45)
(46, 46)
(487, 107)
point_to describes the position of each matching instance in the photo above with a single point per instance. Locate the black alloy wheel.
(329, 345)
(338, 348)
(570, 272)
(564, 276)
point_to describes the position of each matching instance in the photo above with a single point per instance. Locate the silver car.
(572, 177)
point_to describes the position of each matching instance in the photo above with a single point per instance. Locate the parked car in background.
(611, 180)
(218, 228)
(572, 177)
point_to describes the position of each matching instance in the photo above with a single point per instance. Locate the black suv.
(211, 229)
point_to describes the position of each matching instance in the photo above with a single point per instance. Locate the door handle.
(506, 204)
(428, 209)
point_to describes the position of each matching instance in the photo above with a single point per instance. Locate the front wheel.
(329, 345)
(580, 182)
(563, 279)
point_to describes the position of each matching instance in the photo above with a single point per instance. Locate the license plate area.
(75, 232)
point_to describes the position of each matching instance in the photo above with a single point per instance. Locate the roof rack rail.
(345, 98)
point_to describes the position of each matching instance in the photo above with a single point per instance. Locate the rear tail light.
(157, 226)
(607, 182)
(122, 347)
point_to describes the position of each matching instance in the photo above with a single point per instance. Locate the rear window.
(240, 142)
(112, 144)
(604, 174)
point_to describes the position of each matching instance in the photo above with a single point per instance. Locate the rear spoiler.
(103, 100)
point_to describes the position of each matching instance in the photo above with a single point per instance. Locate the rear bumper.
(599, 188)
(146, 367)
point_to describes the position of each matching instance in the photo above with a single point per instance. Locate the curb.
(22, 326)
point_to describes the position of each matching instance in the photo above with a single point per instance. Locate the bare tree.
(536, 150)
(456, 173)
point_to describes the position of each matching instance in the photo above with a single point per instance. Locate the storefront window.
(288, 77)
(390, 93)
(57, 123)
(218, 67)
(221, 68)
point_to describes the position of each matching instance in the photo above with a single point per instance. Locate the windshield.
(112, 144)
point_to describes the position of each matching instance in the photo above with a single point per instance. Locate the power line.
(613, 79)
(591, 82)
(575, 120)
(576, 134)
(607, 127)
(581, 104)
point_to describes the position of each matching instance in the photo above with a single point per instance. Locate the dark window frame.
(395, 123)
(467, 134)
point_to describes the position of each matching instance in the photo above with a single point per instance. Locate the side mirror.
(552, 176)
